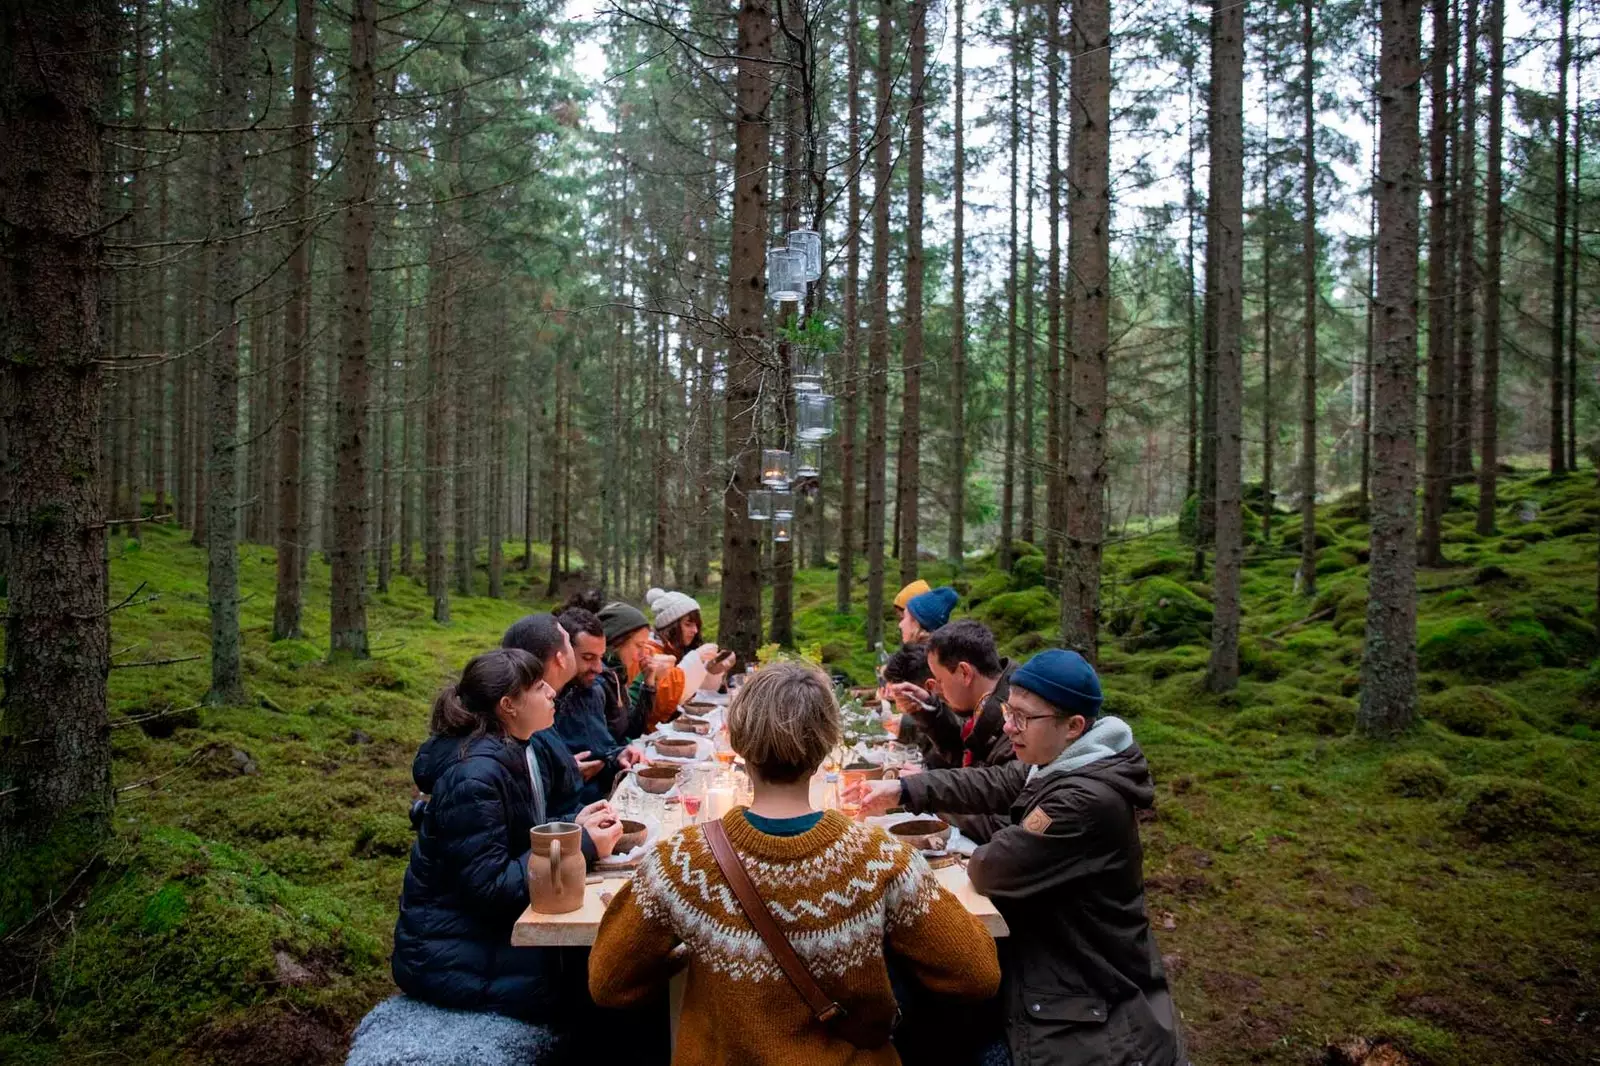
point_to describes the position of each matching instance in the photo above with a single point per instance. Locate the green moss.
(1477, 648)
(1027, 572)
(1314, 715)
(988, 587)
(1474, 711)
(1015, 613)
(1160, 613)
(1419, 776)
(1165, 563)
(1497, 809)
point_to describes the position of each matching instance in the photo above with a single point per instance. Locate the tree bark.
(1574, 258)
(850, 386)
(1227, 253)
(1266, 223)
(1558, 249)
(1493, 234)
(1030, 453)
(1008, 492)
(1053, 531)
(740, 625)
(958, 321)
(1436, 475)
(56, 764)
(1389, 662)
(878, 332)
(1089, 259)
(794, 177)
(1466, 218)
(908, 472)
(232, 24)
(1308, 278)
(1191, 207)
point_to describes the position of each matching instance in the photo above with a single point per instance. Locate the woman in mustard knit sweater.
(842, 894)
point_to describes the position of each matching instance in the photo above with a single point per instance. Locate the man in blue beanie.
(927, 612)
(1083, 980)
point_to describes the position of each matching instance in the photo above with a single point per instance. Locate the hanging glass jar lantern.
(777, 468)
(814, 411)
(809, 242)
(808, 458)
(759, 503)
(808, 369)
(786, 275)
(782, 530)
(782, 503)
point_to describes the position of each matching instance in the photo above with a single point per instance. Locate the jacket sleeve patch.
(1037, 821)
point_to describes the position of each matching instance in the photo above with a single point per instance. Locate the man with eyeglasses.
(1083, 980)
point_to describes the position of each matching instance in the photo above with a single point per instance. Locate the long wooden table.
(577, 928)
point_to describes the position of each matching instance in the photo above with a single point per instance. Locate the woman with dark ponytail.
(490, 775)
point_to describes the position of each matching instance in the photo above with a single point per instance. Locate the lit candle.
(719, 800)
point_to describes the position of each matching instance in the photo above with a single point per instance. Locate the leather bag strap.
(766, 926)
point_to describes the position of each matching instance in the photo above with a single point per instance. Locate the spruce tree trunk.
(908, 472)
(1493, 234)
(1030, 455)
(1191, 206)
(1053, 311)
(1008, 492)
(740, 625)
(1389, 662)
(1267, 411)
(1575, 261)
(794, 170)
(1436, 476)
(878, 331)
(1227, 255)
(139, 227)
(1308, 278)
(850, 359)
(56, 764)
(1558, 257)
(161, 377)
(348, 615)
(958, 324)
(1089, 258)
(230, 47)
(1466, 218)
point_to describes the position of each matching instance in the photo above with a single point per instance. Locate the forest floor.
(1441, 892)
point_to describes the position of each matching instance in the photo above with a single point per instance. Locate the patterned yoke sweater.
(842, 892)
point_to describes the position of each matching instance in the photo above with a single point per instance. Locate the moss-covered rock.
(1499, 809)
(1012, 614)
(1481, 649)
(988, 587)
(1126, 705)
(1165, 563)
(1418, 776)
(1473, 711)
(1574, 526)
(1314, 715)
(1027, 572)
(1160, 613)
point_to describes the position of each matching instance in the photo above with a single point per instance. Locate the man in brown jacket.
(1083, 982)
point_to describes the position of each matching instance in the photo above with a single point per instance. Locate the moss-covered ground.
(1441, 892)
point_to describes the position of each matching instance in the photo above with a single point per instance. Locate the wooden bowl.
(633, 834)
(657, 780)
(688, 723)
(673, 748)
(866, 771)
(924, 834)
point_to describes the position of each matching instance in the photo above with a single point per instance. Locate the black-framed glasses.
(1019, 721)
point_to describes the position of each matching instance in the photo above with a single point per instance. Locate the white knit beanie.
(667, 607)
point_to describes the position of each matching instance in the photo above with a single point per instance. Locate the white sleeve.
(694, 672)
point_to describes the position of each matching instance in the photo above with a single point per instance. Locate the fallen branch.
(1320, 616)
(135, 719)
(167, 773)
(156, 662)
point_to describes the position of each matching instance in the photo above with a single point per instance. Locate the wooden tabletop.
(577, 928)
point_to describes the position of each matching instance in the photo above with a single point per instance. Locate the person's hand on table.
(600, 821)
(629, 757)
(873, 797)
(588, 765)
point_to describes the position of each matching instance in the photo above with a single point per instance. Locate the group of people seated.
(1019, 758)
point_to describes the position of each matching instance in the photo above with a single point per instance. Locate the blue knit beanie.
(1063, 679)
(932, 609)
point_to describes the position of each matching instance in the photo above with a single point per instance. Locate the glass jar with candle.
(786, 275)
(783, 530)
(814, 415)
(808, 458)
(808, 369)
(808, 242)
(759, 504)
(782, 503)
(777, 468)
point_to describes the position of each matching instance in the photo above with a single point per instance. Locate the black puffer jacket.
(467, 880)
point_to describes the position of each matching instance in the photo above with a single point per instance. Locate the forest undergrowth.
(1441, 892)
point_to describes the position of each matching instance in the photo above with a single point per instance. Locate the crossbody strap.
(766, 926)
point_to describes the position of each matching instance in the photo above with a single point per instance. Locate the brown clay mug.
(555, 868)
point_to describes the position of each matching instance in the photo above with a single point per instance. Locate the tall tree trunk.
(1008, 493)
(1389, 662)
(1574, 258)
(1369, 360)
(496, 466)
(1227, 210)
(387, 463)
(162, 375)
(133, 379)
(878, 331)
(740, 626)
(1558, 258)
(409, 461)
(908, 472)
(557, 481)
(1089, 259)
(1030, 454)
(1493, 234)
(1436, 473)
(1460, 434)
(1268, 430)
(233, 20)
(348, 614)
(1053, 310)
(1308, 278)
(958, 323)
(464, 544)
(794, 177)
(1191, 207)
(850, 386)
(56, 764)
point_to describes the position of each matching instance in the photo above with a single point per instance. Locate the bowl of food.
(688, 723)
(675, 748)
(924, 834)
(633, 834)
(657, 780)
(864, 771)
